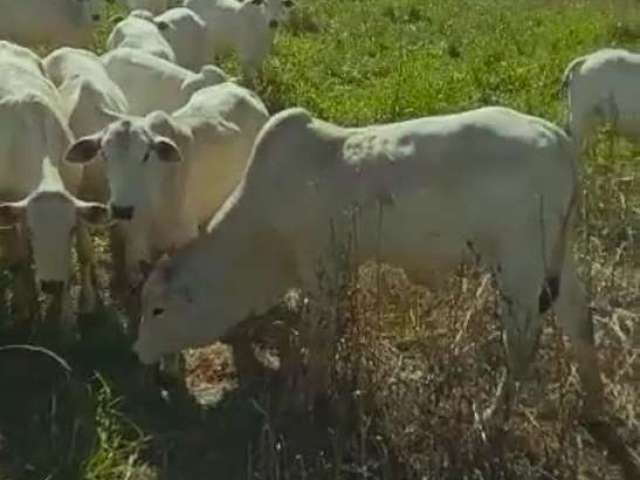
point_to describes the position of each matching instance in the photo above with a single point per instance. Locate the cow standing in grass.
(491, 184)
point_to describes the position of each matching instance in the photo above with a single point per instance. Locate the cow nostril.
(121, 213)
(95, 17)
(273, 24)
(51, 287)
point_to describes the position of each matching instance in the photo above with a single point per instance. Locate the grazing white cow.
(55, 22)
(139, 31)
(34, 184)
(168, 174)
(186, 32)
(154, 6)
(246, 28)
(426, 191)
(602, 89)
(151, 83)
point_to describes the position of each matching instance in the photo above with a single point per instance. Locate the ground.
(412, 368)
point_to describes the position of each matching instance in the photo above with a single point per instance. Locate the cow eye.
(146, 156)
(288, 3)
(157, 311)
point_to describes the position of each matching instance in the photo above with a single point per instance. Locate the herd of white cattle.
(155, 142)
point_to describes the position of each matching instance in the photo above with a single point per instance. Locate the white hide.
(30, 103)
(138, 31)
(90, 100)
(173, 172)
(246, 28)
(151, 83)
(439, 182)
(186, 32)
(602, 88)
(53, 22)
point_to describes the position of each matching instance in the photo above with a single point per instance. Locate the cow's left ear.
(93, 213)
(166, 150)
(11, 213)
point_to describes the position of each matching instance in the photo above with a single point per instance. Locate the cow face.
(92, 10)
(277, 11)
(134, 158)
(50, 219)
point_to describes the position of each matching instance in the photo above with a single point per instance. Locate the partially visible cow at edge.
(39, 213)
(602, 89)
(91, 101)
(151, 83)
(306, 174)
(154, 6)
(52, 22)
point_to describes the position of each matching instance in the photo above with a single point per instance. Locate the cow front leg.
(88, 278)
(25, 298)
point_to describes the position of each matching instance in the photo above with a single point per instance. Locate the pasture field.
(412, 368)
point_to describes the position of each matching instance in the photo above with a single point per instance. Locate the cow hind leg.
(574, 317)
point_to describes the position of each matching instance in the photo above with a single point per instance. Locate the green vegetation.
(412, 367)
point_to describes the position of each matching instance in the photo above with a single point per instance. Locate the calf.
(53, 22)
(139, 31)
(246, 28)
(151, 83)
(29, 102)
(186, 32)
(602, 90)
(92, 101)
(426, 192)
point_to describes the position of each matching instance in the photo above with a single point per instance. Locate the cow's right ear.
(84, 150)
(11, 213)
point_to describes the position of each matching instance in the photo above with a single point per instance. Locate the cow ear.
(84, 150)
(166, 150)
(93, 213)
(11, 213)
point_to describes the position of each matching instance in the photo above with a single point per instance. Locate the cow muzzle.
(52, 287)
(95, 17)
(121, 213)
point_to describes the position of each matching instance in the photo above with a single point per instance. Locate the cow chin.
(145, 354)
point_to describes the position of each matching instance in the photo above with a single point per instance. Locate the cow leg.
(60, 318)
(119, 279)
(88, 277)
(574, 317)
(25, 299)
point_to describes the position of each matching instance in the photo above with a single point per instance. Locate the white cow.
(426, 191)
(186, 32)
(151, 83)
(37, 205)
(55, 22)
(246, 28)
(92, 101)
(602, 89)
(154, 6)
(91, 98)
(138, 31)
(168, 174)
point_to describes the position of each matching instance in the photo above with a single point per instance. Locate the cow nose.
(95, 17)
(273, 24)
(121, 213)
(51, 287)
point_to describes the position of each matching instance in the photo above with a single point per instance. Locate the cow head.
(277, 11)
(50, 219)
(136, 164)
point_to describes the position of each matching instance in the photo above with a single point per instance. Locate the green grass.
(357, 62)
